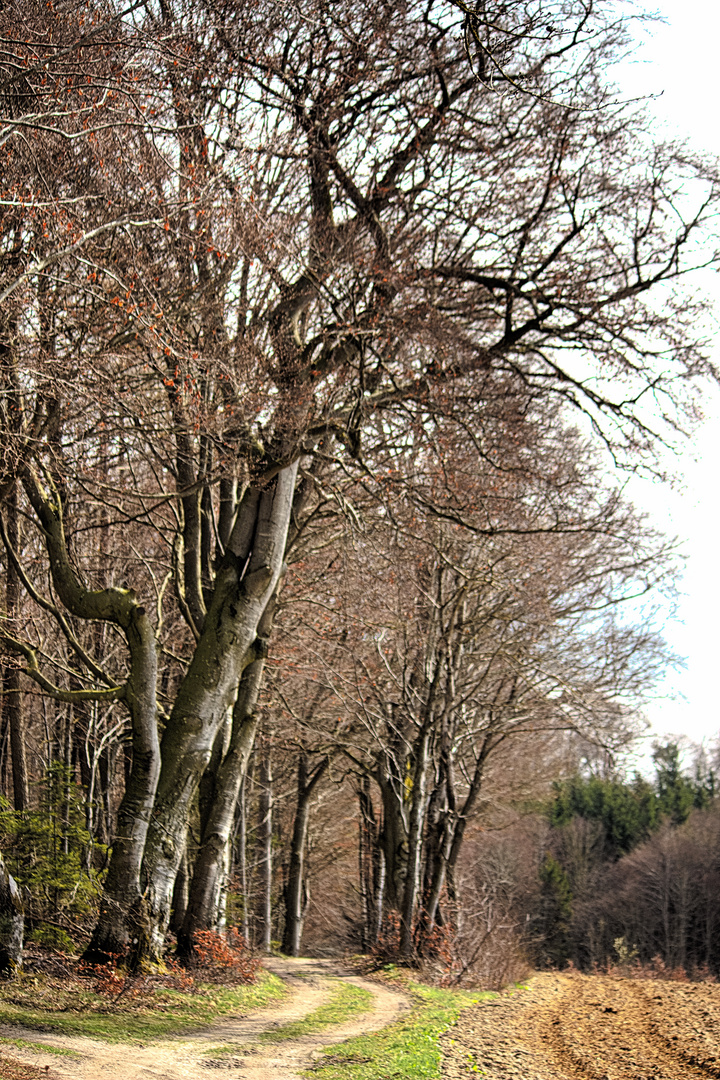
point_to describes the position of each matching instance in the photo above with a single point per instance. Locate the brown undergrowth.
(17, 1070)
(61, 993)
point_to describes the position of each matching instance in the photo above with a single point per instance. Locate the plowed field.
(590, 1027)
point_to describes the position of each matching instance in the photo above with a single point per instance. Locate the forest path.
(310, 983)
(567, 1026)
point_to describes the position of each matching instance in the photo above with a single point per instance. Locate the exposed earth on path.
(191, 1057)
(589, 1027)
(559, 1027)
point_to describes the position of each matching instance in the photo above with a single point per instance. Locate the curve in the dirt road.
(241, 1050)
(581, 1027)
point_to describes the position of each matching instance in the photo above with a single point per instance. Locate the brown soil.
(192, 1057)
(589, 1027)
(16, 1070)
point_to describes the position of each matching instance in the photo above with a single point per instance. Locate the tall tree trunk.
(454, 833)
(12, 922)
(118, 922)
(240, 848)
(394, 835)
(368, 844)
(12, 706)
(418, 808)
(218, 808)
(245, 582)
(121, 918)
(13, 698)
(371, 867)
(181, 893)
(295, 890)
(207, 876)
(5, 762)
(264, 842)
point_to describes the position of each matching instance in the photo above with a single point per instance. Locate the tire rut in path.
(191, 1058)
(576, 1027)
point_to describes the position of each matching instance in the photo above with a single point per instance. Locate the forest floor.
(567, 1026)
(253, 1046)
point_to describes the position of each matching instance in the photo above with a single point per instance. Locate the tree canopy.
(272, 274)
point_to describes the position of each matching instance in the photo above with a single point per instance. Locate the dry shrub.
(386, 949)
(111, 980)
(224, 957)
(446, 956)
(658, 969)
(497, 889)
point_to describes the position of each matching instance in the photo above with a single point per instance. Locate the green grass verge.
(25, 1044)
(165, 1012)
(406, 1050)
(346, 1002)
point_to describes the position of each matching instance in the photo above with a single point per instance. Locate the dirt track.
(563, 1027)
(576, 1027)
(193, 1057)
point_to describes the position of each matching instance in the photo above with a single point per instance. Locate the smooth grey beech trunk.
(121, 899)
(12, 924)
(453, 834)
(120, 919)
(371, 868)
(295, 889)
(265, 859)
(245, 582)
(181, 895)
(201, 912)
(418, 809)
(223, 791)
(241, 855)
(12, 691)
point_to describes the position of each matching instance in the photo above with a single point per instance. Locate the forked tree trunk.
(218, 815)
(295, 890)
(211, 861)
(120, 909)
(453, 834)
(245, 582)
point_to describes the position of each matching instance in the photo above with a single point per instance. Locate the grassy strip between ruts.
(407, 1049)
(346, 1002)
(79, 1011)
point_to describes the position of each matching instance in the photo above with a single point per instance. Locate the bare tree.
(300, 241)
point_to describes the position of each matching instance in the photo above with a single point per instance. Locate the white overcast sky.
(679, 59)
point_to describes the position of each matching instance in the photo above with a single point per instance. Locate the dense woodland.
(329, 336)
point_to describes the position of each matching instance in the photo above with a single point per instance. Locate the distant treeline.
(632, 868)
